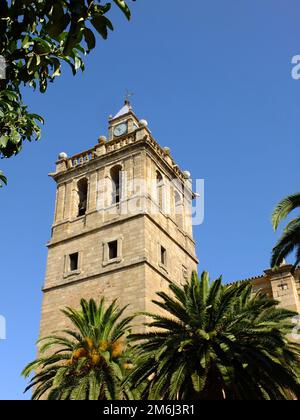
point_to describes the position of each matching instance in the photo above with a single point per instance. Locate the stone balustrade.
(142, 134)
(81, 159)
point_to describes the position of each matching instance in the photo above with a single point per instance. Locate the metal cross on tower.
(128, 95)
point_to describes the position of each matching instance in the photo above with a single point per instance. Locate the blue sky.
(213, 78)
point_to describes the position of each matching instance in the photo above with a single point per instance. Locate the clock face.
(120, 129)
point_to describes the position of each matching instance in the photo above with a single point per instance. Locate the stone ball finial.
(62, 156)
(102, 140)
(143, 123)
(167, 150)
(187, 174)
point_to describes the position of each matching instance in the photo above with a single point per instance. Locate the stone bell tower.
(122, 223)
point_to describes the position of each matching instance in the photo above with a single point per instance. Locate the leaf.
(55, 28)
(3, 141)
(12, 96)
(69, 61)
(184, 344)
(15, 137)
(37, 117)
(57, 67)
(101, 23)
(284, 208)
(41, 46)
(3, 179)
(27, 42)
(105, 8)
(59, 376)
(198, 382)
(77, 63)
(89, 38)
(203, 334)
(79, 391)
(32, 64)
(43, 86)
(123, 6)
(94, 387)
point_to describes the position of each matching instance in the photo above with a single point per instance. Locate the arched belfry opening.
(116, 180)
(82, 190)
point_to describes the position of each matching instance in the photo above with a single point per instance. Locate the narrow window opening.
(163, 256)
(73, 262)
(178, 209)
(113, 250)
(82, 188)
(116, 173)
(159, 188)
(184, 273)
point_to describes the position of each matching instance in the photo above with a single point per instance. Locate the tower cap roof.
(124, 110)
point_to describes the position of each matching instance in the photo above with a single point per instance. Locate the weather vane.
(128, 95)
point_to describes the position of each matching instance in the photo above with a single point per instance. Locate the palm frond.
(284, 208)
(289, 241)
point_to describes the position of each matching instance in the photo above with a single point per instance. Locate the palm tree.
(290, 240)
(88, 361)
(216, 342)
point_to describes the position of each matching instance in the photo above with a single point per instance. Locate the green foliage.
(216, 342)
(36, 38)
(290, 239)
(89, 362)
(3, 179)
(209, 342)
(16, 124)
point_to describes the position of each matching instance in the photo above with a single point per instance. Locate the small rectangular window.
(73, 258)
(113, 250)
(163, 256)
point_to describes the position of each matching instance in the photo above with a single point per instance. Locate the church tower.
(122, 223)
